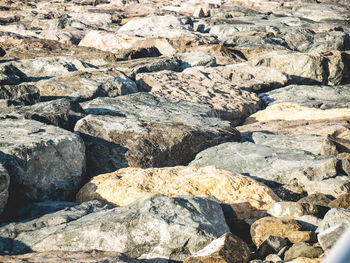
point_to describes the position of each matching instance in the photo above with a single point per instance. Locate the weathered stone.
(62, 113)
(332, 186)
(336, 146)
(155, 226)
(338, 127)
(194, 59)
(43, 161)
(229, 103)
(330, 236)
(23, 94)
(302, 236)
(306, 142)
(268, 164)
(343, 201)
(87, 85)
(247, 197)
(334, 217)
(318, 199)
(227, 248)
(309, 223)
(302, 250)
(90, 256)
(141, 130)
(10, 75)
(291, 111)
(322, 97)
(271, 226)
(307, 260)
(292, 209)
(289, 192)
(4, 185)
(313, 11)
(271, 245)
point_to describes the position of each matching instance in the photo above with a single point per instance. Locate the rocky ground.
(174, 131)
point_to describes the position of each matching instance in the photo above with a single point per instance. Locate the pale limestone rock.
(291, 112)
(247, 197)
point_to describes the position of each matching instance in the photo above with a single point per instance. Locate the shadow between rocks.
(9, 246)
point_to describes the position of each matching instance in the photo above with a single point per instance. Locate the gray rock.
(323, 97)
(332, 186)
(268, 164)
(43, 161)
(141, 130)
(302, 250)
(10, 75)
(4, 185)
(194, 59)
(330, 236)
(309, 222)
(292, 209)
(89, 256)
(87, 85)
(154, 226)
(272, 245)
(24, 94)
(306, 142)
(62, 113)
(334, 217)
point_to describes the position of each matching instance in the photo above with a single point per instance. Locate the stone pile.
(174, 131)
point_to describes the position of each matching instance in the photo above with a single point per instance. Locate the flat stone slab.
(141, 130)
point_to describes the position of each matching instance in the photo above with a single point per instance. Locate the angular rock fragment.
(4, 185)
(292, 209)
(24, 94)
(302, 250)
(141, 130)
(155, 226)
(331, 235)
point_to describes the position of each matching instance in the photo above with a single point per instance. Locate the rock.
(339, 127)
(87, 85)
(268, 164)
(229, 103)
(306, 142)
(133, 67)
(302, 250)
(141, 130)
(272, 245)
(273, 258)
(332, 186)
(291, 112)
(307, 260)
(336, 146)
(292, 209)
(62, 113)
(227, 248)
(155, 226)
(330, 236)
(24, 94)
(271, 226)
(10, 75)
(248, 198)
(334, 217)
(4, 185)
(302, 236)
(289, 192)
(43, 161)
(343, 201)
(91, 256)
(318, 199)
(309, 223)
(322, 97)
(195, 59)
(329, 12)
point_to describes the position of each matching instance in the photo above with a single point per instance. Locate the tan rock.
(291, 111)
(226, 249)
(339, 127)
(247, 197)
(229, 102)
(343, 201)
(271, 226)
(302, 236)
(307, 260)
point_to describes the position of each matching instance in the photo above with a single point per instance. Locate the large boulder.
(43, 161)
(246, 196)
(141, 130)
(268, 164)
(155, 226)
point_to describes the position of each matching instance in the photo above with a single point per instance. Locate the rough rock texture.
(229, 103)
(24, 94)
(268, 164)
(334, 217)
(292, 111)
(302, 250)
(342, 201)
(339, 127)
(226, 249)
(247, 197)
(4, 185)
(61, 112)
(291, 209)
(90, 256)
(141, 130)
(88, 84)
(44, 162)
(322, 97)
(271, 226)
(151, 227)
(330, 236)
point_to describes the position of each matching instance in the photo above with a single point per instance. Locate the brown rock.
(291, 111)
(226, 249)
(92, 256)
(307, 260)
(271, 226)
(303, 250)
(247, 197)
(302, 236)
(342, 201)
